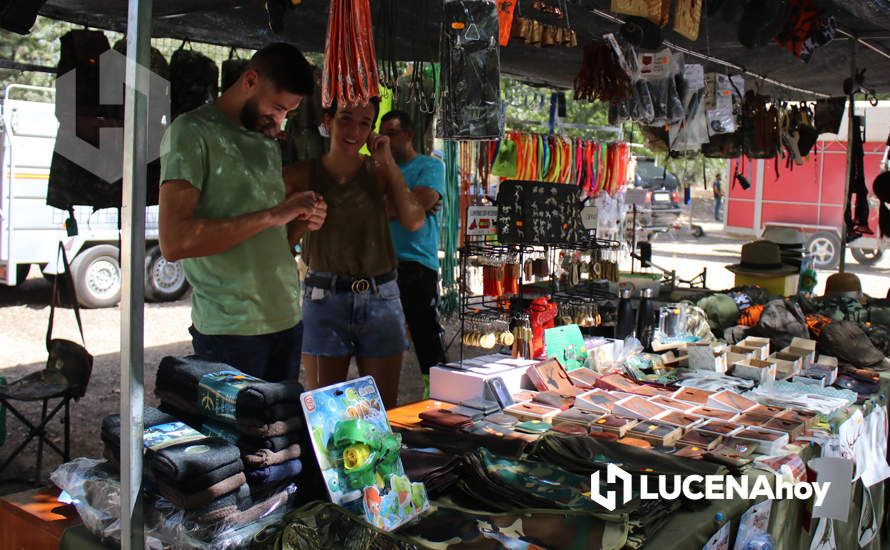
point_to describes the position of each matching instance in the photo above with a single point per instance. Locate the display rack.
(486, 250)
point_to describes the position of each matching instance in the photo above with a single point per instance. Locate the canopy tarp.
(243, 23)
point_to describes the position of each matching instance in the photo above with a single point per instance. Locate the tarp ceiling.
(243, 23)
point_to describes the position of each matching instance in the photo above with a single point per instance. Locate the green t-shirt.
(253, 288)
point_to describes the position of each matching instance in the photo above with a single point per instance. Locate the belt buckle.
(360, 285)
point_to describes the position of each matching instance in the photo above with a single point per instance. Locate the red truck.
(811, 197)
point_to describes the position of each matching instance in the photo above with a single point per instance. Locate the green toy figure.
(368, 456)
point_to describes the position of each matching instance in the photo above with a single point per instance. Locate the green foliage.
(41, 47)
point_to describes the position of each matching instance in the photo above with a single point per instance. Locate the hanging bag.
(194, 80)
(231, 69)
(69, 358)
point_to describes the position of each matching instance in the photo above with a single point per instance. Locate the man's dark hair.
(403, 118)
(284, 65)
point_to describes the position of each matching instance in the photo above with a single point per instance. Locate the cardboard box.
(455, 385)
(734, 354)
(787, 364)
(762, 372)
(821, 371)
(827, 360)
(803, 348)
(706, 357)
(768, 442)
(760, 344)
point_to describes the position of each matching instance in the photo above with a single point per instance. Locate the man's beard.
(251, 119)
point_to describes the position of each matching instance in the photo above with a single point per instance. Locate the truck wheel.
(867, 256)
(164, 281)
(825, 248)
(21, 273)
(97, 276)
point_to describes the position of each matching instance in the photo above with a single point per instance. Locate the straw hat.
(843, 284)
(762, 259)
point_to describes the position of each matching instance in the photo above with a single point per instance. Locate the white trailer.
(30, 230)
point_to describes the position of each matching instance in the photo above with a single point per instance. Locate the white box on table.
(455, 385)
(758, 343)
(787, 364)
(762, 372)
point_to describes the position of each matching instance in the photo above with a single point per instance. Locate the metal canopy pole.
(851, 112)
(133, 270)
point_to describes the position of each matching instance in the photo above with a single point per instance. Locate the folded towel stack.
(264, 419)
(188, 468)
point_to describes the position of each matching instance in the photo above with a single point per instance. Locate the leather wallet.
(444, 418)
(501, 419)
(576, 416)
(532, 427)
(569, 428)
(487, 406)
(614, 424)
(657, 433)
(523, 395)
(549, 375)
(496, 388)
(692, 395)
(712, 412)
(471, 413)
(698, 438)
(718, 427)
(531, 411)
(554, 399)
(584, 377)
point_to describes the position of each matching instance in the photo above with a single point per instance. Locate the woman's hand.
(316, 218)
(378, 145)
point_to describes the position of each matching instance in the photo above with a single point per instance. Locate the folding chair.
(65, 377)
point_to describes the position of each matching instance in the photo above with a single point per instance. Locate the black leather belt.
(356, 285)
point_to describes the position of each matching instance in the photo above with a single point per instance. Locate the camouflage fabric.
(325, 525)
(446, 527)
(451, 527)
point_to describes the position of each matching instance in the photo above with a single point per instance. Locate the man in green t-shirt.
(225, 211)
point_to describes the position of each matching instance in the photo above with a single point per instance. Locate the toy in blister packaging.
(358, 454)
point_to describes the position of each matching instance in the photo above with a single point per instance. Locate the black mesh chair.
(46, 385)
(65, 377)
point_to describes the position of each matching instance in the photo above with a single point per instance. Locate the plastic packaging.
(470, 88)
(719, 101)
(95, 491)
(657, 71)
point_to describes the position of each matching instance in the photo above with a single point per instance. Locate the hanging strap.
(69, 280)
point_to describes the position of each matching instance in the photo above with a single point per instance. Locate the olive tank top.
(354, 240)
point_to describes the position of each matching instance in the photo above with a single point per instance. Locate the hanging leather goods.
(510, 281)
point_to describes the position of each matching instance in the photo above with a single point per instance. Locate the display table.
(789, 525)
(34, 520)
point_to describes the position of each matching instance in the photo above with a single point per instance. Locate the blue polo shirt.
(420, 246)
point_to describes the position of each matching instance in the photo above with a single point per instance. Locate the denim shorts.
(364, 324)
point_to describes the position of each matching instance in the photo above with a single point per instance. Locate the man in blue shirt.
(418, 251)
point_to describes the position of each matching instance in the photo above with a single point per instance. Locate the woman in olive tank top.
(351, 305)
